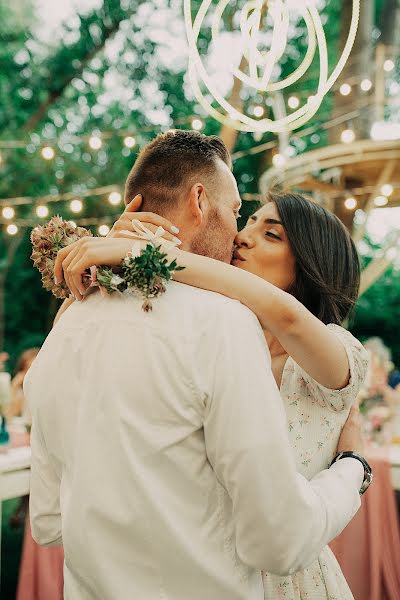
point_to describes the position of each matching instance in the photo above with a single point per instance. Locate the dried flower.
(47, 240)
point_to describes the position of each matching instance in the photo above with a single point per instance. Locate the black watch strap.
(368, 476)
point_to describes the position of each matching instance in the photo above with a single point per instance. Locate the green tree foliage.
(110, 72)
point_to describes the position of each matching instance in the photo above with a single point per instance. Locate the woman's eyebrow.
(273, 222)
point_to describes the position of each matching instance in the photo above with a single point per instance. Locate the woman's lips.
(237, 256)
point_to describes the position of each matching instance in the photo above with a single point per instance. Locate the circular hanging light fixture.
(261, 64)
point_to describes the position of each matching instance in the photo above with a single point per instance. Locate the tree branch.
(53, 96)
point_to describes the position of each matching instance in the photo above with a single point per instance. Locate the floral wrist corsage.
(144, 272)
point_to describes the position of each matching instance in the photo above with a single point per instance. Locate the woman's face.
(263, 248)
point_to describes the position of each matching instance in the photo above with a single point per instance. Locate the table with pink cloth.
(41, 569)
(368, 550)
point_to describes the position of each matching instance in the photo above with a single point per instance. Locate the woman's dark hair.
(327, 264)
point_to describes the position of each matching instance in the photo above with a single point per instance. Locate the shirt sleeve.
(358, 358)
(282, 521)
(44, 500)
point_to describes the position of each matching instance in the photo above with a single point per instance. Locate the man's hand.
(351, 437)
(150, 220)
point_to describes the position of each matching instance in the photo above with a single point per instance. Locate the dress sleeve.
(339, 400)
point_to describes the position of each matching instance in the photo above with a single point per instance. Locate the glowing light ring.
(250, 20)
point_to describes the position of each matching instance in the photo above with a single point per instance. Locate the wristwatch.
(368, 476)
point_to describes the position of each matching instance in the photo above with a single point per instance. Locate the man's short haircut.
(170, 163)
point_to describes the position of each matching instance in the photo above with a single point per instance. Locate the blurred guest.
(18, 406)
(379, 402)
(381, 365)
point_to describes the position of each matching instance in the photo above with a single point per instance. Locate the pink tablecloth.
(41, 569)
(368, 550)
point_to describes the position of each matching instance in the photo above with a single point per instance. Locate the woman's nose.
(244, 240)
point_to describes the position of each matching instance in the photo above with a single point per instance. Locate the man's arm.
(282, 520)
(44, 502)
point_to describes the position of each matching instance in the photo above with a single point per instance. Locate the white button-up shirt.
(160, 454)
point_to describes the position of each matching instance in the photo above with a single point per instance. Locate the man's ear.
(198, 203)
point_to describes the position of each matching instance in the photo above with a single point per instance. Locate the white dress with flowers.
(315, 418)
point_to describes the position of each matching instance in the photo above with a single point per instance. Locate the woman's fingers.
(153, 228)
(134, 204)
(81, 261)
(125, 221)
(67, 272)
(61, 256)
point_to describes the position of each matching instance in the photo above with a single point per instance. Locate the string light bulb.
(345, 89)
(114, 198)
(388, 65)
(129, 141)
(350, 203)
(76, 206)
(348, 136)
(387, 189)
(366, 85)
(381, 201)
(12, 229)
(8, 212)
(95, 142)
(42, 211)
(104, 230)
(258, 111)
(47, 153)
(293, 102)
(278, 160)
(197, 124)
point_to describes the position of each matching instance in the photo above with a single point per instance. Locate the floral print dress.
(315, 417)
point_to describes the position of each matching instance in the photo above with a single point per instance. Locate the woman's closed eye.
(273, 233)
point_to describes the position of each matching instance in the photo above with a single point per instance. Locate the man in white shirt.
(160, 456)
